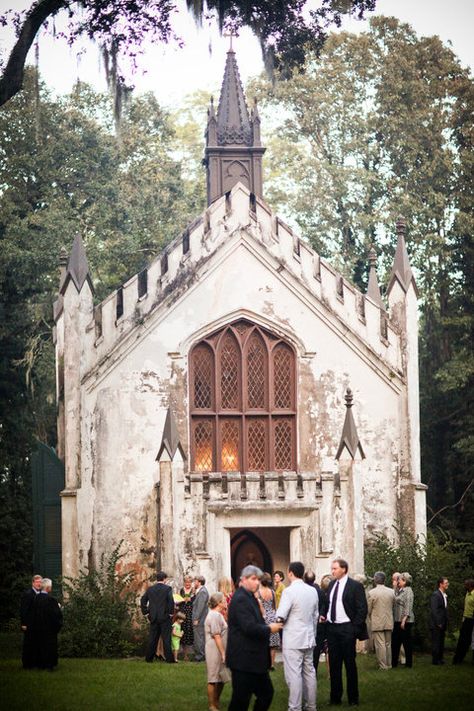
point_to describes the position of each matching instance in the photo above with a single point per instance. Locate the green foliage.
(381, 124)
(99, 612)
(426, 560)
(63, 171)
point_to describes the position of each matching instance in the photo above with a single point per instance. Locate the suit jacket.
(381, 601)
(248, 637)
(158, 602)
(355, 605)
(299, 608)
(438, 611)
(26, 606)
(200, 603)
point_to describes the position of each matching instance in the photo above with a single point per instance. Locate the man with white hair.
(248, 650)
(47, 621)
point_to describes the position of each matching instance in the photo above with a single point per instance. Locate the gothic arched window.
(242, 397)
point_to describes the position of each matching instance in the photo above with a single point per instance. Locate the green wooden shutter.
(48, 482)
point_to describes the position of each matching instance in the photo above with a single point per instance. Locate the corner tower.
(233, 148)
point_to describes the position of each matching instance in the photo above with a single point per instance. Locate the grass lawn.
(132, 685)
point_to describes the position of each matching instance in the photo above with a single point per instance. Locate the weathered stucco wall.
(129, 381)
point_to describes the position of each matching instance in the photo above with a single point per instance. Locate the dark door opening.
(248, 549)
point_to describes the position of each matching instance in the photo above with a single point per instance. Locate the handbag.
(225, 675)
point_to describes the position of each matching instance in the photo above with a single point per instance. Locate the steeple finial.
(230, 34)
(401, 269)
(373, 289)
(349, 438)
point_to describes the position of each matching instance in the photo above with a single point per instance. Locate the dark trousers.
(199, 644)
(342, 649)
(437, 644)
(400, 637)
(464, 641)
(29, 653)
(157, 630)
(244, 684)
(320, 643)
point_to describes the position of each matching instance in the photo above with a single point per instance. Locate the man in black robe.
(28, 653)
(46, 623)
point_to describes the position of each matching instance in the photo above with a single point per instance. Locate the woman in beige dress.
(215, 628)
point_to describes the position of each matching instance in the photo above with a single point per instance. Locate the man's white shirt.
(341, 615)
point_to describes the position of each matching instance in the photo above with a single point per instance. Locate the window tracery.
(243, 411)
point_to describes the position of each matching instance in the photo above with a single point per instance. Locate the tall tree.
(284, 29)
(381, 124)
(62, 171)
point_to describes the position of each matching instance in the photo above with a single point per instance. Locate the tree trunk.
(12, 79)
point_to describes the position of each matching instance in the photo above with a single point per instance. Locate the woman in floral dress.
(187, 592)
(266, 597)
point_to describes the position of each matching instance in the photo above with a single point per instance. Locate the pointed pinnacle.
(373, 289)
(401, 269)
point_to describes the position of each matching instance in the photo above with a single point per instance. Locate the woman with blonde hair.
(227, 587)
(403, 621)
(215, 628)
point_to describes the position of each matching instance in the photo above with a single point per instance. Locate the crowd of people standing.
(236, 632)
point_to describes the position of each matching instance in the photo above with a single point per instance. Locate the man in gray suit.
(199, 615)
(381, 601)
(299, 611)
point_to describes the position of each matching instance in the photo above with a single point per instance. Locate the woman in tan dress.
(215, 628)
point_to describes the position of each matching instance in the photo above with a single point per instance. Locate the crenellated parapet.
(239, 215)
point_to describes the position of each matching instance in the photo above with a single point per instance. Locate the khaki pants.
(383, 647)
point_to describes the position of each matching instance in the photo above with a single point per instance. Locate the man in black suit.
(28, 654)
(346, 623)
(439, 620)
(158, 604)
(248, 650)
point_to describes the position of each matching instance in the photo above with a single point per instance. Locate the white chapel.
(238, 400)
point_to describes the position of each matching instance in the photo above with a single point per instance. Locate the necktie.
(333, 602)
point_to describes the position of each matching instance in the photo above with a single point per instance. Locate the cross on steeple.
(231, 33)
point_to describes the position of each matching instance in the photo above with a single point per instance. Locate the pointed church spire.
(233, 149)
(401, 269)
(350, 439)
(77, 267)
(170, 442)
(233, 123)
(373, 289)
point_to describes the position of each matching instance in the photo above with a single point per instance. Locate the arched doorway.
(248, 549)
